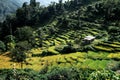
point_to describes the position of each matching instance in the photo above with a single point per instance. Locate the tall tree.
(32, 3)
(60, 6)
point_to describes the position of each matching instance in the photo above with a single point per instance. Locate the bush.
(18, 55)
(71, 73)
(103, 75)
(65, 49)
(24, 45)
(9, 38)
(113, 66)
(57, 73)
(59, 48)
(36, 55)
(47, 53)
(19, 74)
(10, 45)
(2, 46)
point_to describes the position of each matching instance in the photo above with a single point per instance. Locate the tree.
(32, 3)
(60, 7)
(52, 8)
(24, 4)
(18, 55)
(7, 26)
(23, 45)
(45, 16)
(21, 16)
(24, 33)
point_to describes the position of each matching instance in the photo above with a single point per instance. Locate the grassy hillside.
(47, 38)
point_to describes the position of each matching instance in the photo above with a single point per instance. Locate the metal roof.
(89, 38)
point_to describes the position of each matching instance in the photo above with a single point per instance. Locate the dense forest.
(50, 42)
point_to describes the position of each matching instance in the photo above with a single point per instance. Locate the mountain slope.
(7, 7)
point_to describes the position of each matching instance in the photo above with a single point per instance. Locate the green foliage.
(103, 75)
(28, 14)
(24, 33)
(114, 32)
(71, 73)
(9, 38)
(113, 66)
(57, 73)
(23, 45)
(18, 55)
(19, 74)
(60, 28)
(48, 53)
(10, 41)
(80, 74)
(65, 49)
(2, 46)
(11, 45)
(97, 55)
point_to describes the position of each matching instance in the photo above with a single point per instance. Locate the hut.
(89, 39)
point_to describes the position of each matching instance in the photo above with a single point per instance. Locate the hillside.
(80, 37)
(8, 7)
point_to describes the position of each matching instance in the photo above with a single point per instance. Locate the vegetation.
(58, 73)
(41, 38)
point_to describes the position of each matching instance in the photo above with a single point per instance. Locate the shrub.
(59, 48)
(71, 73)
(113, 66)
(65, 49)
(24, 45)
(103, 75)
(47, 53)
(86, 48)
(36, 55)
(19, 74)
(10, 45)
(58, 74)
(9, 38)
(2, 46)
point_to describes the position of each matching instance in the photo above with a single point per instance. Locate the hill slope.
(55, 35)
(8, 7)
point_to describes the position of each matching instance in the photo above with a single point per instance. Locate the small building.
(89, 39)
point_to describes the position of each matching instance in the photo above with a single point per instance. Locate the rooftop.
(89, 38)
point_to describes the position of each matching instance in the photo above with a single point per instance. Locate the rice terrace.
(65, 40)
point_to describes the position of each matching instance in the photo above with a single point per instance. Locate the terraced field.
(92, 60)
(106, 55)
